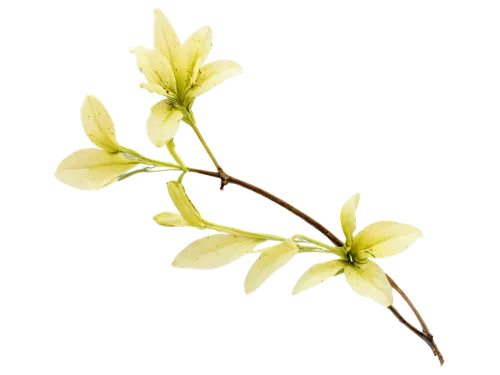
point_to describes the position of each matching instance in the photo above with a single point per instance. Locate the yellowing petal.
(319, 273)
(165, 37)
(385, 238)
(170, 219)
(154, 88)
(369, 280)
(98, 125)
(348, 217)
(92, 168)
(155, 67)
(196, 49)
(163, 123)
(269, 261)
(184, 205)
(167, 43)
(213, 74)
(214, 251)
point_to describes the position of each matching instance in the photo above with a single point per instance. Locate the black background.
(333, 98)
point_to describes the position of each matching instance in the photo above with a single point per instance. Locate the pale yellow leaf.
(182, 202)
(348, 217)
(213, 251)
(369, 280)
(92, 168)
(169, 219)
(386, 238)
(269, 261)
(97, 123)
(316, 274)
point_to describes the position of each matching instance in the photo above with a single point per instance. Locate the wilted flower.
(177, 71)
(378, 240)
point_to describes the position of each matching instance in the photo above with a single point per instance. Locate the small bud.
(184, 205)
(170, 219)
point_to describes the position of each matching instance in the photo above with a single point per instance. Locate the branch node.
(224, 178)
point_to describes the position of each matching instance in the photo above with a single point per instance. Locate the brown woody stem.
(281, 202)
(227, 179)
(425, 335)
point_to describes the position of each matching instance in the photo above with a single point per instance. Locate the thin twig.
(414, 309)
(425, 335)
(409, 325)
(281, 202)
(429, 338)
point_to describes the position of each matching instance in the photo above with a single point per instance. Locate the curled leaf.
(184, 205)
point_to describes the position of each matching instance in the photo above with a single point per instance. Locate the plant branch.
(407, 300)
(281, 202)
(227, 179)
(425, 335)
(409, 325)
(429, 338)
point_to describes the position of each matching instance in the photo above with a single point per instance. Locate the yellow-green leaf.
(316, 274)
(215, 251)
(92, 168)
(385, 238)
(182, 202)
(169, 219)
(369, 280)
(98, 125)
(269, 261)
(348, 217)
